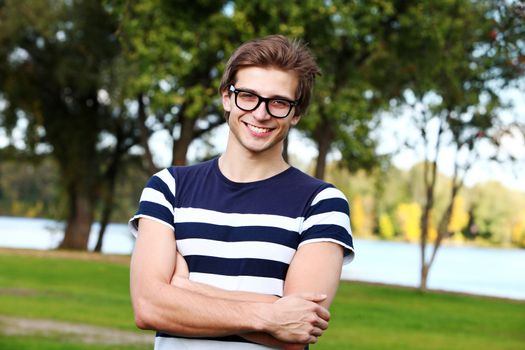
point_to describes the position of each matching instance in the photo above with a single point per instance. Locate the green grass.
(363, 316)
(89, 292)
(57, 343)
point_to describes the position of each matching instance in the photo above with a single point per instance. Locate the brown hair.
(279, 52)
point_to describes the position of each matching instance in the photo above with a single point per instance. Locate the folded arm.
(159, 305)
(316, 267)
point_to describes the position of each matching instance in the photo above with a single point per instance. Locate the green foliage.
(393, 209)
(495, 211)
(56, 60)
(29, 189)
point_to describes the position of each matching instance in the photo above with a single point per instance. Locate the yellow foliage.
(432, 232)
(361, 214)
(17, 208)
(518, 230)
(358, 216)
(35, 211)
(409, 216)
(386, 228)
(459, 217)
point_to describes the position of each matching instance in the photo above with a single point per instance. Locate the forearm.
(183, 312)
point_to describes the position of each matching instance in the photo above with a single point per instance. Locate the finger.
(322, 312)
(317, 331)
(320, 323)
(312, 339)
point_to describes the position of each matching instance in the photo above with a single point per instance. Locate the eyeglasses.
(248, 101)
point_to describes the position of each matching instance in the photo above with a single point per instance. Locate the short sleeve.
(328, 220)
(157, 201)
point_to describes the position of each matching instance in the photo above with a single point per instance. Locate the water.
(484, 271)
(47, 234)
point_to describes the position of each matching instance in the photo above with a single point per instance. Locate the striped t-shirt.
(242, 236)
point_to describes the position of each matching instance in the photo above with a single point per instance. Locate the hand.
(299, 319)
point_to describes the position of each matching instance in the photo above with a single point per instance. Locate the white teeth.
(257, 129)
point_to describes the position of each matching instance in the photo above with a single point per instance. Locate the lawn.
(364, 316)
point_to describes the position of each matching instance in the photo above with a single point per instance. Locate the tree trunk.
(323, 136)
(424, 277)
(107, 208)
(181, 145)
(148, 163)
(78, 224)
(430, 176)
(106, 215)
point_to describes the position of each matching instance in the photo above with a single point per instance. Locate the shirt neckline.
(270, 179)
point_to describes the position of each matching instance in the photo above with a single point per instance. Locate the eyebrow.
(275, 97)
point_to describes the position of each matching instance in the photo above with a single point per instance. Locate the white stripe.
(237, 220)
(236, 250)
(152, 195)
(347, 259)
(201, 344)
(168, 179)
(133, 223)
(330, 218)
(264, 285)
(328, 193)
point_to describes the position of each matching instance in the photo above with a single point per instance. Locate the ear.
(295, 120)
(226, 100)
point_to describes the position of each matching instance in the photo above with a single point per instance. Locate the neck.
(241, 165)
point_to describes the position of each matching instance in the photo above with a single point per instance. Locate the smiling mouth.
(257, 129)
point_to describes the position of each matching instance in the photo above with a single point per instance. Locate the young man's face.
(257, 131)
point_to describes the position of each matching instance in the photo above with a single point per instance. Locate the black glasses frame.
(262, 99)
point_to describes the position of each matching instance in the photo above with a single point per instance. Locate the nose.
(260, 113)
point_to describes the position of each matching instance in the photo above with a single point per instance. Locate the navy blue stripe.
(236, 267)
(155, 210)
(237, 234)
(328, 231)
(328, 205)
(159, 185)
(230, 338)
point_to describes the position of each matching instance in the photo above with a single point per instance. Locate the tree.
(55, 67)
(456, 104)
(176, 59)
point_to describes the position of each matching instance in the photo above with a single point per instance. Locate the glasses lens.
(247, 100)
(279, 108)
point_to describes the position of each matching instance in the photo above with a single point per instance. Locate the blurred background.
(418, 117)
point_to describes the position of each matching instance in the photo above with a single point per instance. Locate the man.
(243, 251)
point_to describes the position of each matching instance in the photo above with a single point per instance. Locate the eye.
(247, 96)
(280, 104)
